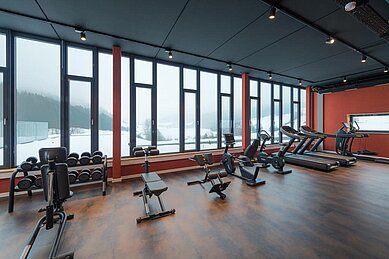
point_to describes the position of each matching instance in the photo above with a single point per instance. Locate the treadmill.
(303, 160)
(319, 137)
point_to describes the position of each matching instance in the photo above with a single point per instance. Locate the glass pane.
(295, 116)
(238, 111)
(125, 103)
(276, 122)
(3, 50)
(276, 92)
(79, 116)
(143, 116)
(168, 108)
(80, 62)
(225, 123)
(286, 111)
(190, 79)
(143, 72)
(303, 120)
(37, 96)
(253, 88)
(266, 107)
(225, 84)
(208, 108)
(1, 118)
(295, 94)
(253, 119)
(190, 121)
(105, 103)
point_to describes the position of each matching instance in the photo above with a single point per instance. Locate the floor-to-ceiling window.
(190, 107)
(226, 95)
(208, 109)
(125, 106)
(286, 109)
(37, 81)
(254, 108)
(296, 108)
(276, 113)
(168, 108)
(266, 107)
(238, 111)
(303, 113)
(3, 67)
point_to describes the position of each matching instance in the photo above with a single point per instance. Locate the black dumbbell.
(75, 155)
(84, 175)
(97, 159)
(85, 158)
(71, 161)
(73, 175)
(97, 152)
(38, 182)
(26, 166)
(97, 174)
(26, 182)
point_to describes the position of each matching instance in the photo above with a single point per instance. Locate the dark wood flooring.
(306, 214)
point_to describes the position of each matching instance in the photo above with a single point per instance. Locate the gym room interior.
(194, 129)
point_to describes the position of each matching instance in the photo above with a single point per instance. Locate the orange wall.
(366, 100)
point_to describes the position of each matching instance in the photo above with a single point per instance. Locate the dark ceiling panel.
(180, 58)
(28, 7)
(261, 33)
(312, 9)
(25, 25)
(338, 66)
(206, 24)
(382, 7)
(346, 27)
(380, 51)
(301, 48)
(148, 21)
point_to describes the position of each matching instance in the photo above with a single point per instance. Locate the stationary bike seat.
(150, 177)
(157, 187)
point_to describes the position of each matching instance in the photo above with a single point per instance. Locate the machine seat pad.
(223, 174)
(156, 187)
(150, 177)
(213, 175)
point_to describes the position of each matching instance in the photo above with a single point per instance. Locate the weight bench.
(153, 185)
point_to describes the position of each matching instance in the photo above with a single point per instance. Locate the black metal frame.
(10, 95)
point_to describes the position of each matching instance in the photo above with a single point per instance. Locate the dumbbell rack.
(14, 188)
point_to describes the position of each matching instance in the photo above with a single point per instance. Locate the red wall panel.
(366, 100)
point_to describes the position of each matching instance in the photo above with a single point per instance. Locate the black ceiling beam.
(308, 23)
(148, 44)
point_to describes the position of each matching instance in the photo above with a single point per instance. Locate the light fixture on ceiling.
(82, 33)
(386, 70)
(270, 76)
(272, 13)
(330, 40)
(364, 59)
(350, 6)
(229, 66)
(169, 53)
(300, 82)
(344, 79)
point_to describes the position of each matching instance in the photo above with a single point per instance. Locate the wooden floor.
(306, 214)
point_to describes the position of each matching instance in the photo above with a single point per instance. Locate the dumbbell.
(97, 157)
(73, 175)
(29, 164)
(97, 174)
(38, 182)
(72, 159)
(85, 158)
(26, 182)
(84, 175)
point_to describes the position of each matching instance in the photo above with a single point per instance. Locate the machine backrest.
(252, 149)
(57, 154)
(229, 138)
(199, 159)
(208, 158)
(62, 190)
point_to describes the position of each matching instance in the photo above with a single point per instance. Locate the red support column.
(245, 110)
(116, 145)
(309, 106)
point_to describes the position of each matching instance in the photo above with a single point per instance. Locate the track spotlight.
(83, 36)
(229, 67)
(270, 76)
(386, 70)
(330, 40)
(300, 82)
(364, 59)
(344, 79)
(272, 13)
(350, 6)
(169, 53)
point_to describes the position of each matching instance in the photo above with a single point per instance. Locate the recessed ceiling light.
(350, 6)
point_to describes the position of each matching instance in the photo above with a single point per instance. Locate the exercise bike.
(245, 164)
(215, 178)
(56, 190)
(277, 161)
